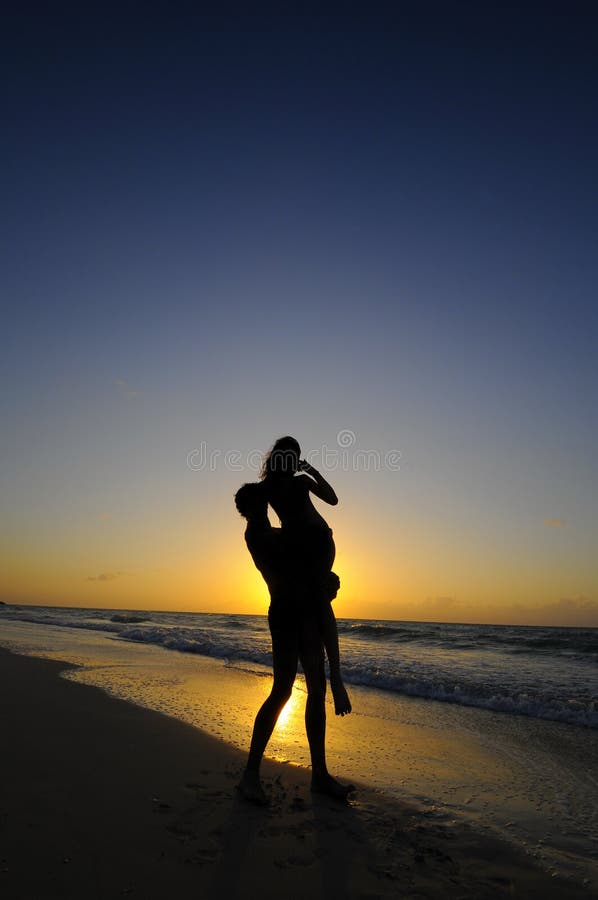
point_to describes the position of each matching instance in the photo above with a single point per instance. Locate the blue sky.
(223, 229)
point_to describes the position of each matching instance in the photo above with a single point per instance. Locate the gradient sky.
(218, 230)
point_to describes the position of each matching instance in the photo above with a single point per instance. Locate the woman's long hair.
(282, 459)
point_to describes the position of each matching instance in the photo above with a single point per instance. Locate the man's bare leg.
(285, 669)
(312, 661)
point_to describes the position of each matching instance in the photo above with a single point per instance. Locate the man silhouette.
(299, 613)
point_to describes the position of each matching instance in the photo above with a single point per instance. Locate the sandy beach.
(102, 798)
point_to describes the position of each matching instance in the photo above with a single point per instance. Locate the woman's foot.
(326, 784)
(251, 789)
(342, 704)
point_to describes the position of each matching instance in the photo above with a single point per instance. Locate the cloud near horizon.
(556, 523)
(577, 611)
(104, 576)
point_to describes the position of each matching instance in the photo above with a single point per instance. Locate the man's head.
(251, 501)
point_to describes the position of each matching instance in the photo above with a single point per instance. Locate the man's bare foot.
(342, 704)
(326, 784)
(251, 789)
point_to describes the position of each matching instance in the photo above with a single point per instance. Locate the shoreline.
(105, 798)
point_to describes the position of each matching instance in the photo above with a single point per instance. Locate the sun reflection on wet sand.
(291, 717)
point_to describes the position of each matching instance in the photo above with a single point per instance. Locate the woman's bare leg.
(327, 619)
(322, 574)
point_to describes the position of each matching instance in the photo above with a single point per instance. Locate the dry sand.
(104, 799)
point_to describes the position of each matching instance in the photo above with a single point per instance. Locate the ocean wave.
(573, 711)
(378, 631)
(385, 656)
(576, 643)
(194, 640)
(118, 617)
(236, 626)
(68, 621)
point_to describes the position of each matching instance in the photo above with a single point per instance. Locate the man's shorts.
(295, 630)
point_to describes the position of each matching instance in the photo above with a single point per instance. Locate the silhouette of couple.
(295, 561)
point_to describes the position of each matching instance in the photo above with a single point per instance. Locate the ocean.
(546, 673)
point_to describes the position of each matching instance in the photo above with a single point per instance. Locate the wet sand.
(102, 799)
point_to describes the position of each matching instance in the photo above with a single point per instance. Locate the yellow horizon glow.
(374, 585)
(390, 568)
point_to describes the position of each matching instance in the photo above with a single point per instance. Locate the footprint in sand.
(295, 861)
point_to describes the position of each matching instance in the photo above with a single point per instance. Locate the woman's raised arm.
(317, 484)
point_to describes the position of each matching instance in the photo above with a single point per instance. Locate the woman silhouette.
(300, 619)
(310, 538)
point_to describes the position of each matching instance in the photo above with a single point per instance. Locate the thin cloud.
(579, 611)
(581, 603)
(555, 523)
(125, 389)
(573, 611)
(104, 576)
(563, 606)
